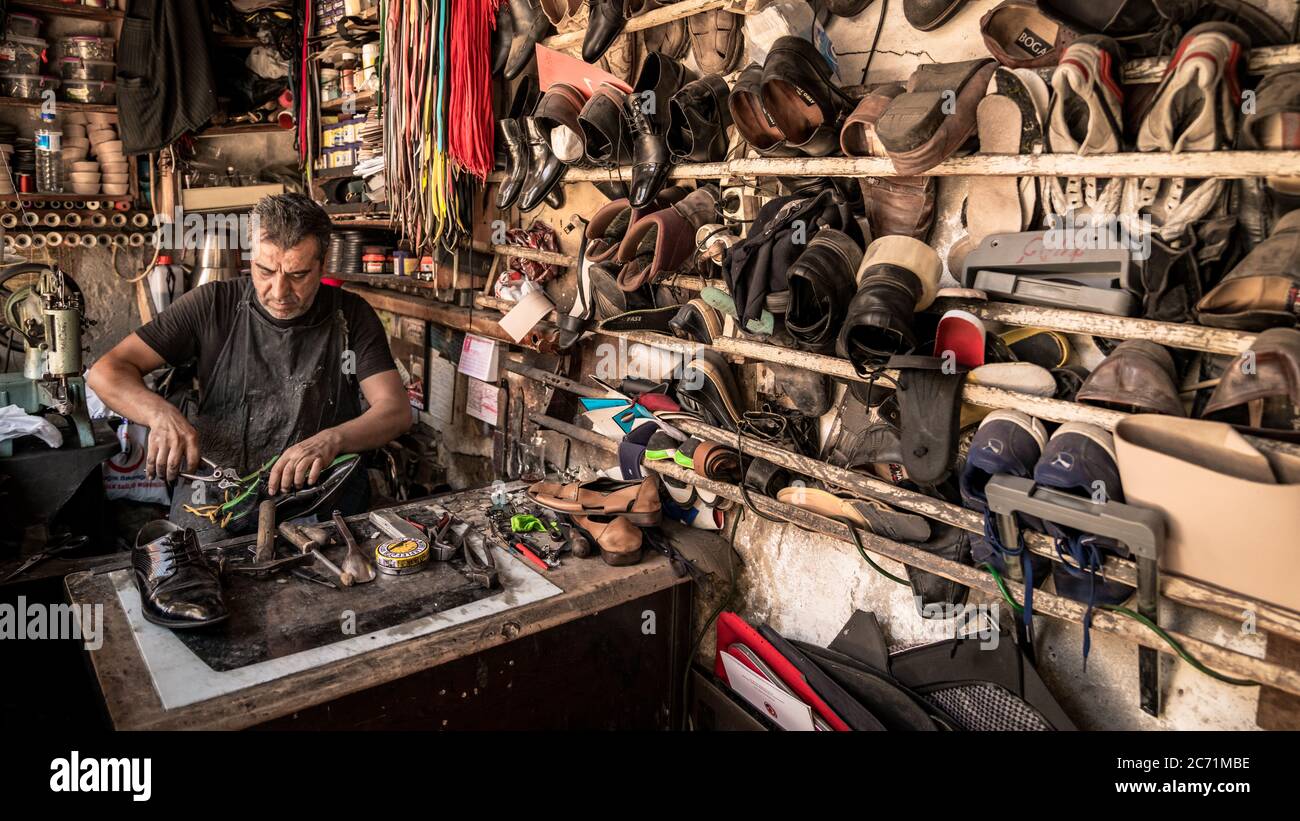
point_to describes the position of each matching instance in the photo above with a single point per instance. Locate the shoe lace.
(1086, 565)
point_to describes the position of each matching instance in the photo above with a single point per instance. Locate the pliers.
(223, 478)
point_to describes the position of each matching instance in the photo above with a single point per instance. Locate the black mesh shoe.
(177, 587)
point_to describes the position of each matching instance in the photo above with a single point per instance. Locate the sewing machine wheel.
(15, 279)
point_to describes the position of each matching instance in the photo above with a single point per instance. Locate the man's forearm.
(378, 426)
(122, 389)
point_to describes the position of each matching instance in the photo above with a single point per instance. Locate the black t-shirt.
(198, 324)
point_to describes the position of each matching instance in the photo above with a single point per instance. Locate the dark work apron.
(271, 387)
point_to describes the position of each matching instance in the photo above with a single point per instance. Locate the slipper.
(1047, 349)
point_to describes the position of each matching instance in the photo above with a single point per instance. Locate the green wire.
(1178, 648)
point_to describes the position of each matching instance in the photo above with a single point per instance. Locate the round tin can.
(398, 557)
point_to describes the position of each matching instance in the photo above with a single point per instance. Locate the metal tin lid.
(401, 554)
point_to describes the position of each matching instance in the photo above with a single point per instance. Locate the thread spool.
(140, 220)
(31, 219)
(88, 241)
(51, 220)
(8, 243)
(103, 241)
(118, 220)
(54, 239)
(40, 204)
(8, 220)
(119, 240)
(71, 239)
(93, 205)
(122, 205)
(23, 241)
(98, 220)
(136, 240)
(11, 205)
(72, 220)
(38, 241)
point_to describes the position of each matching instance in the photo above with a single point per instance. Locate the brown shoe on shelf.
(618, 539)
(716, 40)
(1022, 34)
(925, 125)
(895, 205)
(1260, 292)
(638, 502)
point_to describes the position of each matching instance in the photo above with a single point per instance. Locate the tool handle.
(530, 556)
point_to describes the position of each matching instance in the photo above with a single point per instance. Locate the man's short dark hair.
(285, 220)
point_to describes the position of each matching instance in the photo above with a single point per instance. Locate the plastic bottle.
(49, 157)
(166, 283)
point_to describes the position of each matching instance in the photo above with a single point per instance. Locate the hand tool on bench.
(437, 536)
(54, 548)
(1142, 530)
(354, 563)
(265, 532)
(297, 536)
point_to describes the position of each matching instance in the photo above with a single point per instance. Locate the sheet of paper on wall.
(481, 401)
(526, 313)
(442, 392)
(784, 709)
(479, 358)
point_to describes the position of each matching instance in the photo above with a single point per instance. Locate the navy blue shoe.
(1007, 442)
(1080, 459)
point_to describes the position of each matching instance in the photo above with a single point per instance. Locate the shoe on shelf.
(716, 40)
(928, 15)
(1085, 116)
(925, 125)
(605, 22)
(895, 205)
(1024, 34)
(800, 96)
(1137, 377)
(1194, 109)
(618, 539)
(898, 277)
(545, 170)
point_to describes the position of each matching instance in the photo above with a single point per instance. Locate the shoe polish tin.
(398, 557)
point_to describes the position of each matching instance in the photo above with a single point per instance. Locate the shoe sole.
(723, 379)
(180, 625)
(993, 204)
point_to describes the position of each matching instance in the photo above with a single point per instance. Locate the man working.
(280, 364)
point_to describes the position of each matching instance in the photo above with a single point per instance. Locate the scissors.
(62, 545)
(222, 477)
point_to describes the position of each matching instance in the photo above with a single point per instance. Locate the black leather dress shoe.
(821, 285)
(502, 38)
(649, 115)
(177, 587)
(698, 119)
(516, 164)
(531, 27)
(605, 21)
(544, 168)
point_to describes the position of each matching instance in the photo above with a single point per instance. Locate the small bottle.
(49, 157)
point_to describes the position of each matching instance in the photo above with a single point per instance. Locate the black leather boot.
(605, 21)
(544, 169)
(604, 127)
(177, 587)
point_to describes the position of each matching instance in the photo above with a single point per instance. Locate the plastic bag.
(124, 476)
(16, 422)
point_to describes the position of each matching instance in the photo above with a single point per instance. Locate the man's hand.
(173, 444)
(301, 464)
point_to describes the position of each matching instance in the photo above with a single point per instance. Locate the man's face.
(287, 279)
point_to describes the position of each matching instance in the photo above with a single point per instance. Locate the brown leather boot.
(618, 539)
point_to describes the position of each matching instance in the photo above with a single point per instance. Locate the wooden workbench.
(521, 667)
